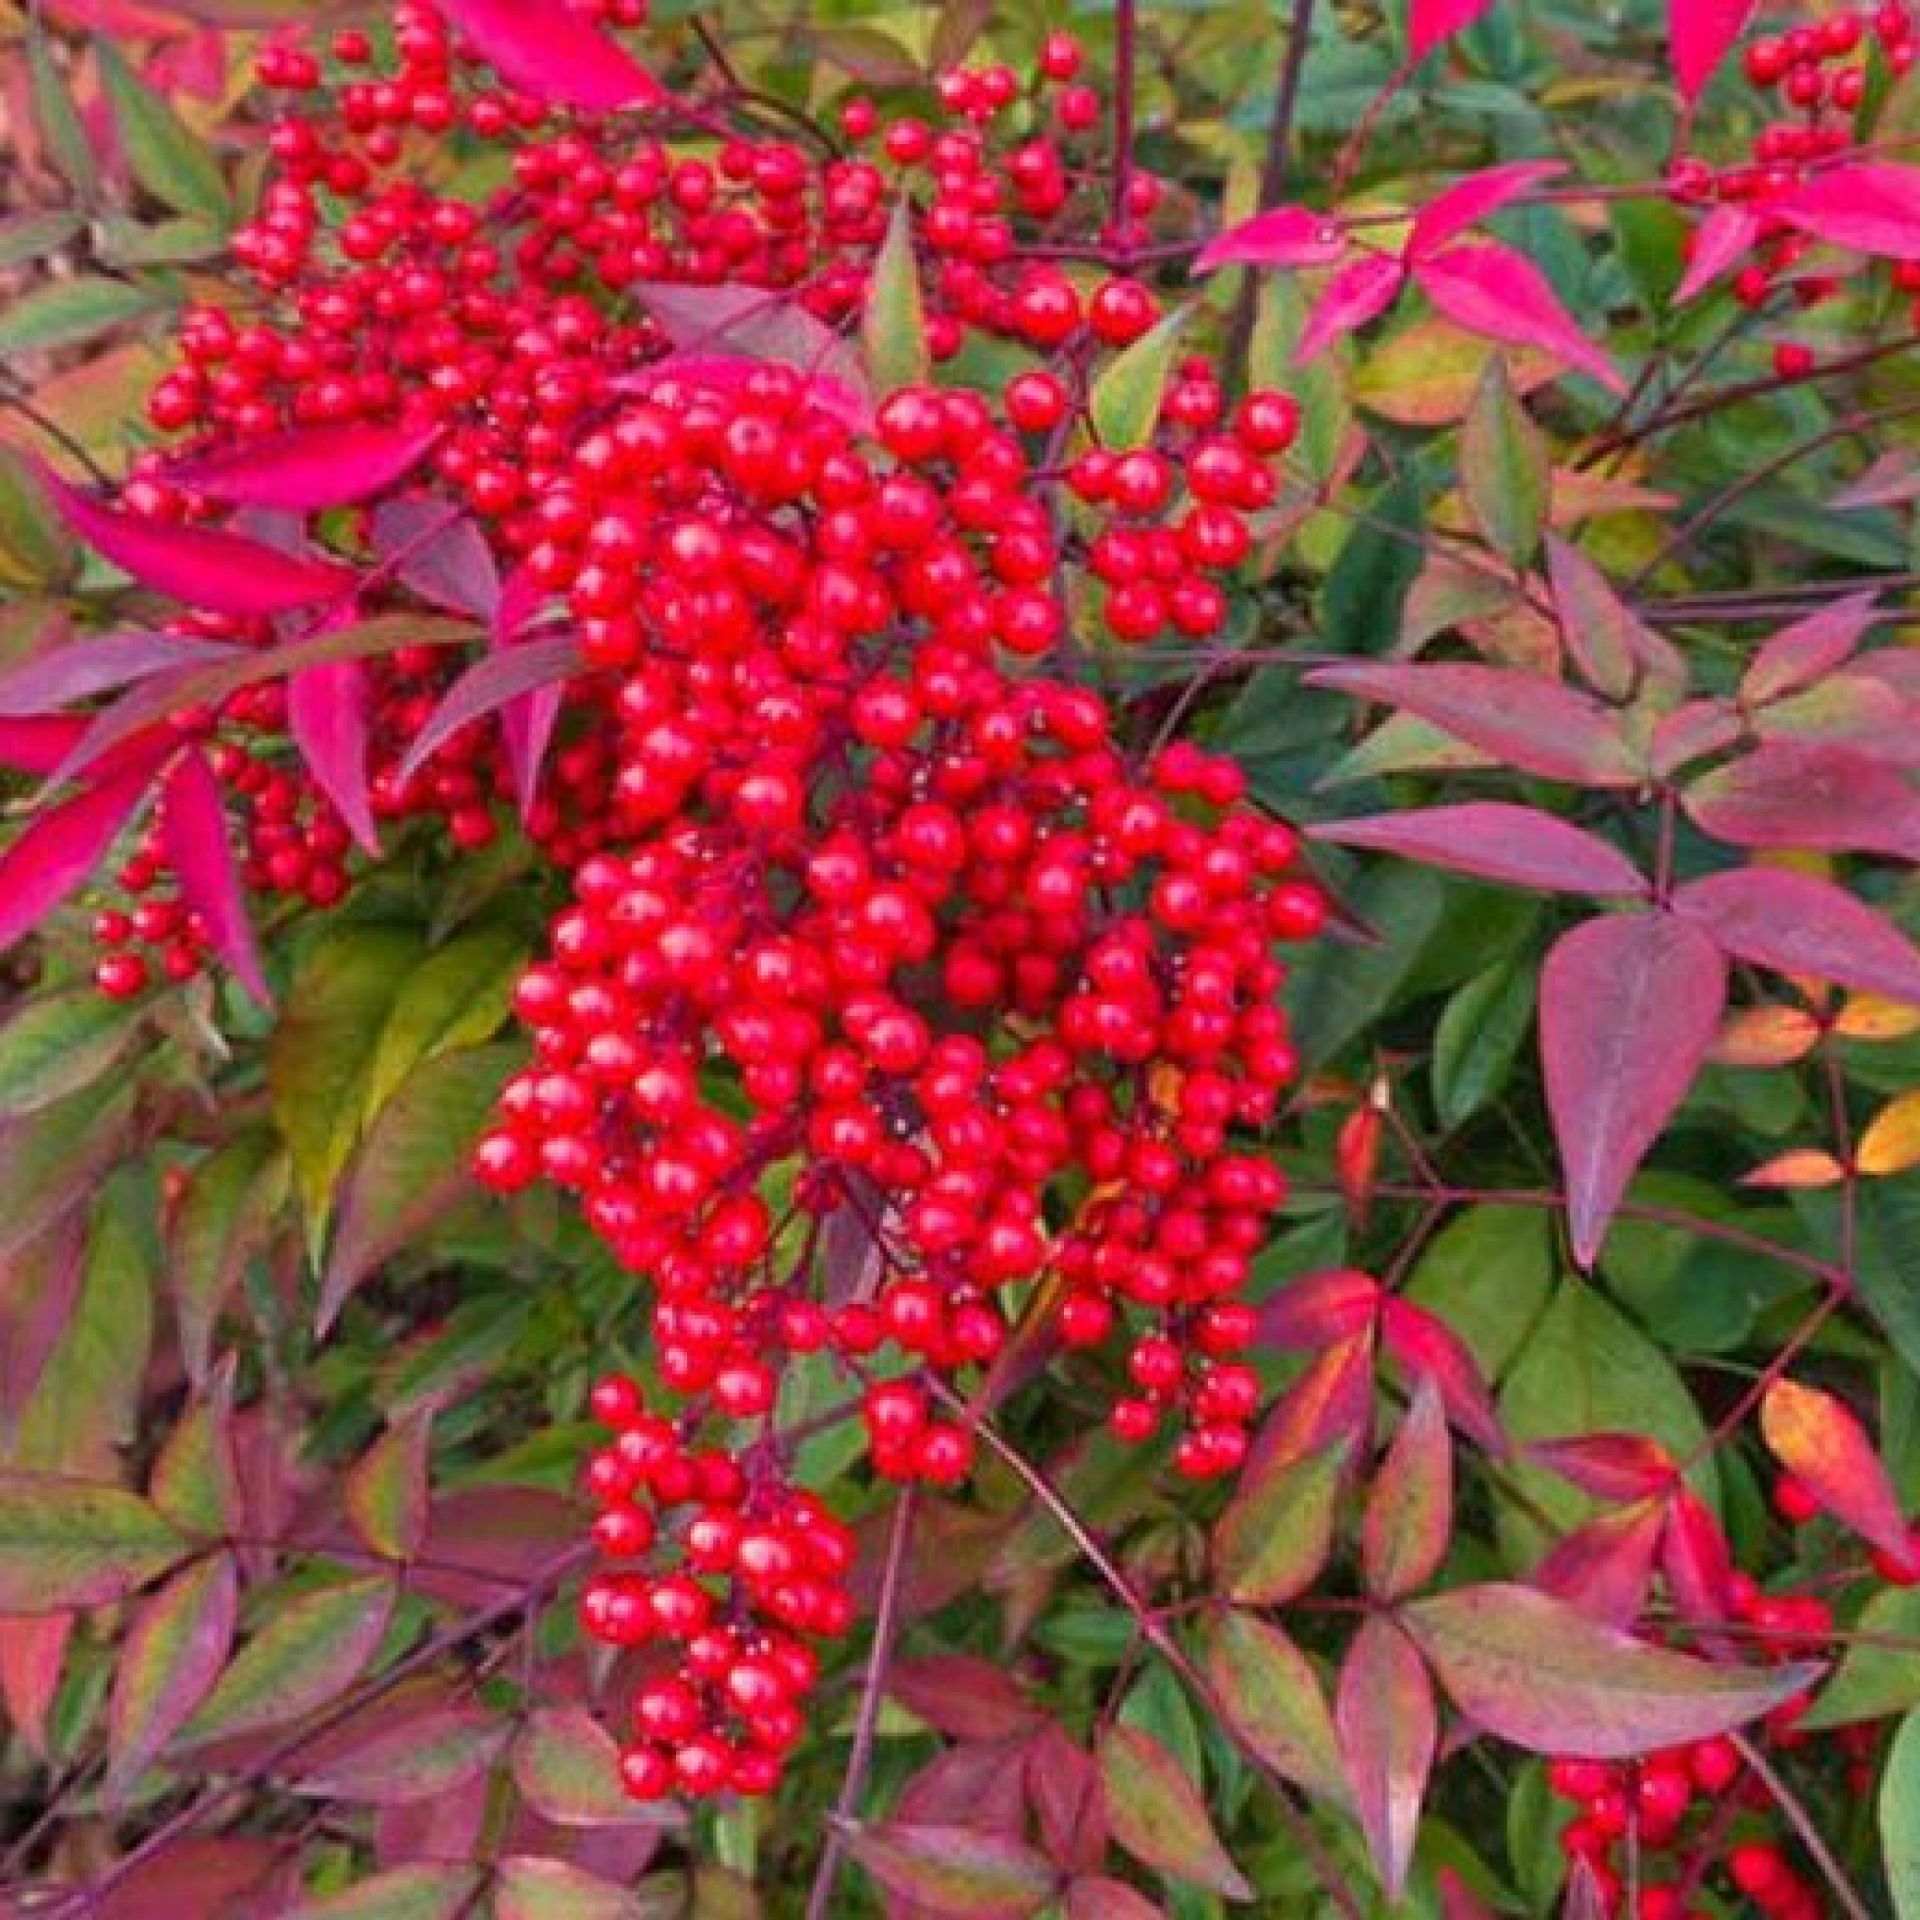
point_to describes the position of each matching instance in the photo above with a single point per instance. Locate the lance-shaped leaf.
(201, 566)
(1609, 643)
(1063, 1788)
(1797, 793)
(1429, 22)
(1098, 1898)
(490, 684)
(1628, 1008)
(163, 155)
(1358, 292)
(40, 742)
(1527, 722)
(1900, 1819)
(744, 321)
(386, 1493)
(529, 1886)
(567, 1768)
(53, 1044)
(963, 1696)
(196, 1480)
(1274, 1704)
(327, 716)
(1429, 1349)
(309, 469)
(1723, 238)
(1505, 469)
(1695, 1557)
(425, 1891)
(1533, 1670)
(217, 1224)
(1610, 1466)
(1820, 1442)
(1331, 1401)
(193, 829)
(1605, 1567)
(1274, 1538)
(33, 1662)
(438, 552)
(422, 1738)
(893, 327)
(1389, 1729)
(1501, 295)
(1409, 1516)
(1279, 237)
(1890, 1141)
(955, 1871)
(77, 1543)
(1517, 846)
(1477, 197)
(1809, 649)
(1318, 1309)
(1701, 33)
(526, 723)
(1156, 1813)
(1796, 923)
(173, 1653)
(1125, 401)
(1872, 206)
(555, 54)
(82, 668)
(60, 850)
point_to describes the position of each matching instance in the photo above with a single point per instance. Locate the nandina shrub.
(957, 969)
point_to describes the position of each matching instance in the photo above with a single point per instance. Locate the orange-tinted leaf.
(1866, 1016)
(1798, 1170)
(1156, 1813)
(1820, 1442)
(1771, 1036)
(1389, 1729)
(1891, 1141)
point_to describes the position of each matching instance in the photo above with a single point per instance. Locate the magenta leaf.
(1467, 202)
(1517, 846)
(1725, 236)
(1695, 1558)
(1280, 237)
(743, 321)
(1795, 923)
(1872, 206)
(1610, 1466)
(527, 722)
(443, 557)
(309, 469)
(1605, 1567)
(1796, 793)
(1429, 1349)
(201, 566)
(1319, 1309)
(83, 668)
(1357, 293)
(1808, 650)
(1628, 1008)
(487, 686)
(39, 743)
(1501, 295)
(1701, 33)
(1527, 722)
(1432, 21)
(193, 826)
(60, 850)
(1610, 644)
(327, 713)
(1389, 1730)
(555, 54)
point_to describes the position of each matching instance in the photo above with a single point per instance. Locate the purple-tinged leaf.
(308, 469)
(1432, 21)
(1360, 291)
(37, 1300)
(1098, 1898)
(1872, 206)
(201, 566)
(1610, 644)
(1274, 1703)
(1408, 1521)
(1799, 655)
(1605, 1567)
(1610, 1466)
(1795, 923)
(1272, 1542)
(1518, 846)
(1696, 1559)
(1532, 1670)
(1467, 202)
(60, 850)
(957, 1871)
(1725, 236)
(77, 1543)
(1527, 722)
(555, 54)
(327, 716)
(423, 1739)
(83, 668)
(980, 1784)
(424, 1891)
(1156, 1813)
(1317, 1309)
(1279, 237)
(535, 1886)
(39, 743)
(443, 556)
(1063, 1788)
(745, 321)
(526, 723)
(1429, 1349)
(193, 829)
(1815, 794)
(1389, 1730)
(490, 684)
(567, 1768)
(385, 1495)
(1628, 1008)
(1501, 295)
(174, 1651)
(1893, 480)
(733, 372)
(962, 1696)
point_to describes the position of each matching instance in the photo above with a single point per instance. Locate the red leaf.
(327, 714)
(1432, 21)
(1519, 846)
(1408, 1520)
(1628, 1008)
(1317, 1309)
(1530, 723)
(1610, 1466)
(1492, 291)
(1795, 923)
(1156, 1813)
(1695, 1557)
(1701, 32)
(1357, 293)
(1725, 236)
(40, 742)
(193, 827)
(1467, 202)
(60, 850)
(962, 1696)
(201, 566)
(1605, 1567)
(33, 1655)
(955, 1870)
(1818, 1440)
(1533, 1670)
(1389, 1728)
(86, 667)
(1798, 655)
(309, 469)
(1063, 1786)
(1872, 206)
(1610, 644)
(1331, 1401)
(1429, 1349)
(1801, 793)
(1280, 237)
(555, 54)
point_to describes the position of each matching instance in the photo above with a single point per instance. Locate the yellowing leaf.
(1866, 1016)
(1891, 1143)
(1764, 1037)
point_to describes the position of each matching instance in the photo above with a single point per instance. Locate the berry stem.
(1802, 1823)
(1126, 62)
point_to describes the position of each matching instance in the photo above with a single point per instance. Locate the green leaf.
(1274, 1537)
(1479, 1037)
(1125, 401)
(567, 1768)
(26, 237)
(1879, 1671)
(958, 1871)
(57, 1043)
(60, 124)
(1504, 468)
(306, 1652)
(893, 328)
(386, 1493)
(1409, 1517)
(185, 241)
(51, 1160)
(1488, 1275)
(1275, 1705)
(195, 1482)
(1900, 1819)
(458, 996)
(220, 1220)
(77, 1543)
(1156, 1813)
(66, 312)
(404, 1893)
(162, 154)
(35, 547)
(532, 1887)
(173, 1653)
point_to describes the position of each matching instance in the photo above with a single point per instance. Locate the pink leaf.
(732, 372)
(1519, 846)
(1695, 1558)
(1702, 32)
(742, 321)
(1409, 1515)
(1433, 21)
(1795, 923)
(487, 686)
(1354, 295)
(1317, 1309)
(38, 743)
(962, 1696)
(1610, 644)
(1820, 1442)
(1628, 1009)
(1389, 1729)
(33, 1656)
(1726, 235)
(1537, 1672)
(1872, 206)
(1280, 237)
(193, 826)
(1063, 1786)
(555, 54)
(1798, 793)
(327, 713)
(86, 667)
(1798, 655)
(443, 557)
(1610, 1466)
(1530, 723)
(1429, 1349)
(1467, 202)
(60, 850)
(200, 566)
(309, 469)
(1492, 291)
(1605, 1567)
(175, 1647)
